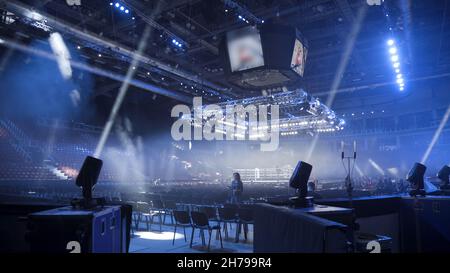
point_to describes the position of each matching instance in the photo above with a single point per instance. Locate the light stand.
(349, 170)
(349, 186)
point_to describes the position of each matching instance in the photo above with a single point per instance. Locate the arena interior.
(342, 143)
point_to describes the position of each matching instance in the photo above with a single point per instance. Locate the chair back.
(199, 219)
(211, 212)
(227, 214)
(181, 217)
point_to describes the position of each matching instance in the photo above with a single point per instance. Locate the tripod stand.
(349, 170)
(351, 161)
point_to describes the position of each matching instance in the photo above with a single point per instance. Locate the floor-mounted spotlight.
(299, 181)
(444, 176)
(86, 180)
(415, 177)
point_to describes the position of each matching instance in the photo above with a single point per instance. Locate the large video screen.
(245, 49)
(299, 58)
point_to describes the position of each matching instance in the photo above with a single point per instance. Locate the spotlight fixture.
(86, 180)
(444, 176)
(299, 181)
(176, 43)
(121, 8)
(415, 177)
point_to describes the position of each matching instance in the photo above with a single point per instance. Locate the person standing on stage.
(237, 187)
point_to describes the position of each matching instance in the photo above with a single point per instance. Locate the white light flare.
(122, 92)
(349, 46)
(62, 54)
(376, 166)
(436, 136)
(165, 235)
(358, 170)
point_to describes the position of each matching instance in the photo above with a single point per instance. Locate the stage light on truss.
(400, 81)
(117, 5)
(397, 70)
(122, 8)
(127, 11)
(402, 88)
(394, 58)
(390, 42)
(399, 76)
(111, 3)
(393, 50)
(396, 65)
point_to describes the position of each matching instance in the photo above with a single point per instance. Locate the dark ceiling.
(421, 28)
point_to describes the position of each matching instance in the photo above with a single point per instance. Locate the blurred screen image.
(245, 49)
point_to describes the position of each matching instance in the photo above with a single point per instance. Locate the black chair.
(143, 212)
(227, 215)
(200, 221)
(181, 219)
(169, 207)
(211, 212)
(158, 210)
(245, 218)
